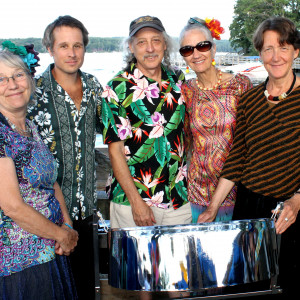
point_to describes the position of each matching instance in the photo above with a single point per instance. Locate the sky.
(108, 18)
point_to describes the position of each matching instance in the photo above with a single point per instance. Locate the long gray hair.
(129, 57)
(15, 61)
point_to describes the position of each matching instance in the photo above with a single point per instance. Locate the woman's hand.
(67, 242)
(223, 188)
(288, 215)
(208, 215)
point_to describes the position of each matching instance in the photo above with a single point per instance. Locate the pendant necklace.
(283, 95)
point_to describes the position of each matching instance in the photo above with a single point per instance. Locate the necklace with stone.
(26, 132)
(283, 95)
(212, 88)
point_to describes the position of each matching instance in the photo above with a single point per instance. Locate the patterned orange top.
(209, 127)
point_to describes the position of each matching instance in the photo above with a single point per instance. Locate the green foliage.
(248, 14)
(96, 44)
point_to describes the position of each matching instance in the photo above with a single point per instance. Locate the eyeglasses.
(201, 47)
(19, 76)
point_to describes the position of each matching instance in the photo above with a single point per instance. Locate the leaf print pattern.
(149, 120)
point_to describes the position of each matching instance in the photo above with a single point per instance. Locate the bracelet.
(68, 225)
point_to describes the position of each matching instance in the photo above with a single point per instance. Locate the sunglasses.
(201, 47)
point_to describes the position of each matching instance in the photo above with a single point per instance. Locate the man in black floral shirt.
(67, 112)
(143, 114)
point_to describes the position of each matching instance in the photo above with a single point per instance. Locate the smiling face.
(148, 47)
(199, 61)
(277, 59)
(68, 49)
(15, 95)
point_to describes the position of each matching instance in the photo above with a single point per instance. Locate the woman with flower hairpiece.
(211, 102)
(35, 227)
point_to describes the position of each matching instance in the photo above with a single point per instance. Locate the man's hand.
(142, 214)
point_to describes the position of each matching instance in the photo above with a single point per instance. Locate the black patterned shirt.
(70, 135)
(149, 120)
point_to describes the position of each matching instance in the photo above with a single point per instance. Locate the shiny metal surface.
(193, 257)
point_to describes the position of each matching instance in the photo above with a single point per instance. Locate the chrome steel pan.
(193, 257)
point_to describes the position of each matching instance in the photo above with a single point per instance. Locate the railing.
(232, 59)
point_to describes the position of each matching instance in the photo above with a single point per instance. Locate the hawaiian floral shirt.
(150, 122)
(36, 171)
(70, 135)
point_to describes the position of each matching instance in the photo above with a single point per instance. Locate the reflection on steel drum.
(194, 256)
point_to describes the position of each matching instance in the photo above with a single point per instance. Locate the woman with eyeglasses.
(35, 227)
(211, 102)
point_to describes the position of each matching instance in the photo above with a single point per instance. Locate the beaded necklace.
(212, 88)
(283, 95)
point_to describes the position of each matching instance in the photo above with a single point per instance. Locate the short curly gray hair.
(129, 57)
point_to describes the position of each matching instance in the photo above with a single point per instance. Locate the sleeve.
(233, 167)
(116, 124)
(247, 84)
(5, 149)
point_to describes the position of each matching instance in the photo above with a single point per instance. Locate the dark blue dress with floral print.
(21, 251)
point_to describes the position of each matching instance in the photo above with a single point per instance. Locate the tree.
(248, 14)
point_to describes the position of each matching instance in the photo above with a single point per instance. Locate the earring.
(187, 69)
(213, 62)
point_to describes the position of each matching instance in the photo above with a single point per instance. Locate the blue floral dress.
(36, 172)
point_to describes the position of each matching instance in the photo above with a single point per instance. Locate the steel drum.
(194, 256)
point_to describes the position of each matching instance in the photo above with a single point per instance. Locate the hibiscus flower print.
(156, 200)
(47, 135)
(109, 93)
(179, 84)
(43, 118)
(137, 74)
(182, 173)
(142, 89)
(127, 152)
(158, 121)
(124, 129)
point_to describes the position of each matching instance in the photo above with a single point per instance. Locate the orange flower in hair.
(215, 28)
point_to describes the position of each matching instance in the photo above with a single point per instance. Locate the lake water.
(102, 65)
(105, 65)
